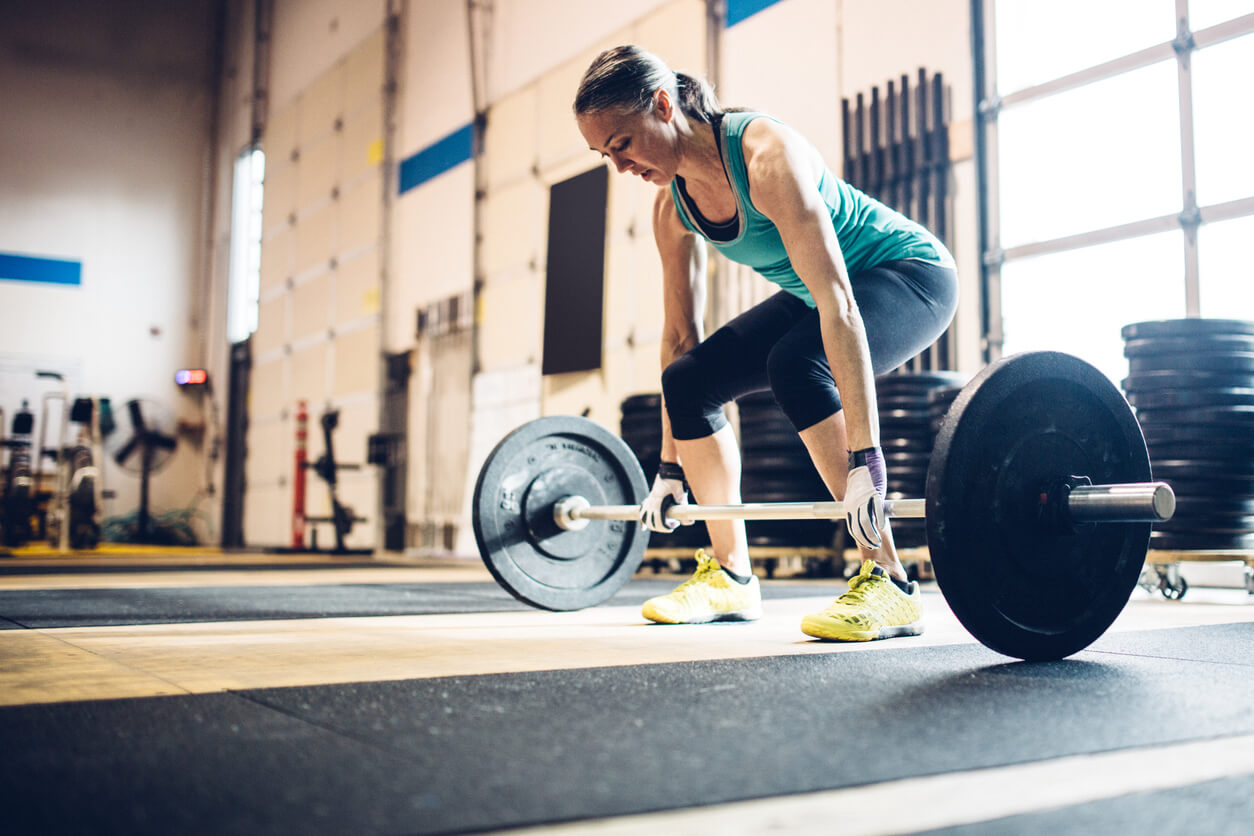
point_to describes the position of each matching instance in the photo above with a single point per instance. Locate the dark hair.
(626, 77)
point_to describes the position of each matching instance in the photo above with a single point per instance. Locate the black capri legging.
(777, 345)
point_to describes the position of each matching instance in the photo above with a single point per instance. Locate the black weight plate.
(1201, 542)
(778, 534)
(921, 415)
(786, 493)
(1214, 524)
(1204, 468)
(908, 474)
(528, 554)
(1202, 506)
(1023, 422)
(913, 458)
(920, 434)
(784, 441)
(1234, 362)
(1218, 416)
(1193, 326)
(1177, 398)
(1210, 344)
(1175, 379)
(914, 490)
(884, 403)
(773, 461)
(755, 424)
(944, 393)
(921, 380)
(1205, 488)
(784, 490)
(1222, 449)
(1168, 433)
(649, 401)
(642, 425)
(905, 444)
(1202, 482)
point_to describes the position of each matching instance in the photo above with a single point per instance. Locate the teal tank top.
(869, 232)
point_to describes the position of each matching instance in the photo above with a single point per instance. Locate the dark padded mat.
(48, 608)
(139, 567)
(459, 754)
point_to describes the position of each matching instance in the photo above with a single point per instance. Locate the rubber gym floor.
(198, 692)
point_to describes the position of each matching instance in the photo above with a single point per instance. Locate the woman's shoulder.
(767, 143)
(667, 224)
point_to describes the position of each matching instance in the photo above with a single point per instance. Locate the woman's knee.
(803, 386)
(692, 410)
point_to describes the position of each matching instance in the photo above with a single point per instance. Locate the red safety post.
(298, 479)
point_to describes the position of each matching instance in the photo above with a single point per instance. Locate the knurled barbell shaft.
(1133, 502)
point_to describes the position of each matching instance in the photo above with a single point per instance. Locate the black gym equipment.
(142, 444)
(1038, 508)
(18, 504)
(343, 517)
(1192, 386)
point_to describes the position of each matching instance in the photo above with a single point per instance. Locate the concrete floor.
(219, 693)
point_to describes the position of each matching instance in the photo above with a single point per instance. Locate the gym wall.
(432, 246)
(104, 151)
(319, 334)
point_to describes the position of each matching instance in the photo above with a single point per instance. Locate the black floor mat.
(48, 608)
(458, 754)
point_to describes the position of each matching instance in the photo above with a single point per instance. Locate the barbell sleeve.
(1136, 502)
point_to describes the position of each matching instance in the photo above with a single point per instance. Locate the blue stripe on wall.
(738, 10)
(437, 158)
(29, 268)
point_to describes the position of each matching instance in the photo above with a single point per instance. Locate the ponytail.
(697, 99)
(626, 77)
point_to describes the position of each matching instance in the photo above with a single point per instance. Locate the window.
(1119, 180)
(245, 282)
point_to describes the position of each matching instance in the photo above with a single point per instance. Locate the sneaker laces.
(860, 586)
(706, 566)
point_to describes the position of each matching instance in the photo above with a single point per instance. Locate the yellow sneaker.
(709, 595)
(873, 608)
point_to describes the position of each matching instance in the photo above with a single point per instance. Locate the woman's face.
(640, 143)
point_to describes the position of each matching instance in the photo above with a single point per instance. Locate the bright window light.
(1038, 42)
(245, 283)
(1078, 300)
(1223, 118)
(1098, 156)
(1204, 13)
(1225, 272)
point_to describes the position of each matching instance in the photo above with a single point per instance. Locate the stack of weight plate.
(775, 467)
(1192, 384)
(642, 430)
(906, 436)
(938, 403)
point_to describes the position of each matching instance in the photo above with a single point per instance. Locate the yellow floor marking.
(104, 549)
(254, 577)
(250, 559)
(208, 657)
(38, 668)
(954, 799)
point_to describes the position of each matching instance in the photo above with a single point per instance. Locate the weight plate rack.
(1191, 382)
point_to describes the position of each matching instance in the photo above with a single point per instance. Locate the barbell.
(1038, 508)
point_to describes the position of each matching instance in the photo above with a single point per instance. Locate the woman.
(863, 290)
